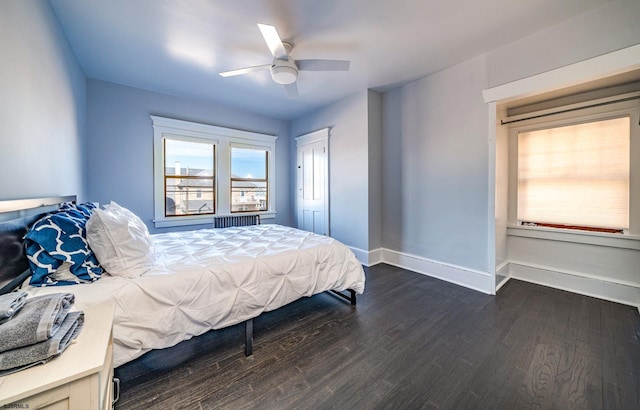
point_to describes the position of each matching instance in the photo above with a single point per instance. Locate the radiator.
(235, 220)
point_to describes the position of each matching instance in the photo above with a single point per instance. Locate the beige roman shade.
(575, 175)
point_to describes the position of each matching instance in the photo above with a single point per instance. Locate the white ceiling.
(178, 46)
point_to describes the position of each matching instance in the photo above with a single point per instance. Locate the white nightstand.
(80, 378)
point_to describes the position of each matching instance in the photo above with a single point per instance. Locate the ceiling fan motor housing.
(284, 71)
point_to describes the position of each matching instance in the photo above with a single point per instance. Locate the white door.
(313, 182)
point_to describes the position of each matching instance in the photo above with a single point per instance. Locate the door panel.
(313, 187)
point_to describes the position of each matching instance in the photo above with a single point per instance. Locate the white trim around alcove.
(596, 68)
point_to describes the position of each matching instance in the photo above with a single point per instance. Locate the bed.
(200, 280)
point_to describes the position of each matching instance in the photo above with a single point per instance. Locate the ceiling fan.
(284, 69)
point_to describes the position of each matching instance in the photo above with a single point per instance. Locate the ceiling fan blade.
(323, 65)
(291, 89)
(273, 40)
(245, 70)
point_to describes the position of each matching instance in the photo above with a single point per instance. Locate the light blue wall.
(435, 156)
(120, 144)
(348, 165)
(42, 105)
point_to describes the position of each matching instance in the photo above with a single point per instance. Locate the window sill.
(204, 219)
(611, 240)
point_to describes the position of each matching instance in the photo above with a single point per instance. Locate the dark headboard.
(16, 217)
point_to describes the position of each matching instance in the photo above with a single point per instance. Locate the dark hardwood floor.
(412, 342)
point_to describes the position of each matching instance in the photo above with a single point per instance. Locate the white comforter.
(213, 278)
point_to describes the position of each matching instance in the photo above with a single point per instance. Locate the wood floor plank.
(412, 342)
(570, 382)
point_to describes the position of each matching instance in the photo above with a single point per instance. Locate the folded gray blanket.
(10, 303)
(24, 357)
(38, 320)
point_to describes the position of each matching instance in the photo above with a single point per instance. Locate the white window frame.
(269, 166)
(631, 237)
(224, 138)
(162, 186)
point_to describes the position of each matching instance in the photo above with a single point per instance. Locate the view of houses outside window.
(249, 184)
(189, 178)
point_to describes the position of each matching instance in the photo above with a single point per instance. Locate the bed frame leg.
(248, 337)
(351, 298)
(248, 324)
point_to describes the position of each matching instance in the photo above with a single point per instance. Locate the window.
(572, 163)
(249, 182)
(575, 176)
(189, 178)
(201, 171)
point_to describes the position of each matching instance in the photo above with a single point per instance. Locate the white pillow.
(121, 241)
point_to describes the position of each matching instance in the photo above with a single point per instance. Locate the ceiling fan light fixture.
(284, 69)
(284, 74)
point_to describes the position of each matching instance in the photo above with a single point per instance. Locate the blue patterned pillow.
(85, 208)
(61, 237)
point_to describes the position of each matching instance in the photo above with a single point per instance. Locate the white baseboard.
(376, 256)
(361, 255)
(473, 279)
(503, 271)
(476, 280)
(627, 293)
(367, 258)
(623, 292)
